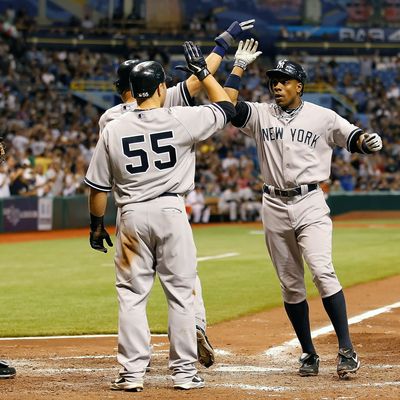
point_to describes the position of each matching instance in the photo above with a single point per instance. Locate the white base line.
(71, 337)
(327, 329)
(199, 259)
(226, 255)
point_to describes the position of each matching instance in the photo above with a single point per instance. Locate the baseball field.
(53, 284)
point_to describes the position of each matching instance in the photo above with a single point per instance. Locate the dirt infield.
(255, 358)
(81, 368)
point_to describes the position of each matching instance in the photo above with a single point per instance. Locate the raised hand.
(196, 64)
(235, 30)
(246, 53)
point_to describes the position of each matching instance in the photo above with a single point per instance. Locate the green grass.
(64, 287)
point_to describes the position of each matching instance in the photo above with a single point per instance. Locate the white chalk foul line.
(199, 259)
(246, 368)
(255, 387)
(274, 351)
(71, 337)
(225, 255)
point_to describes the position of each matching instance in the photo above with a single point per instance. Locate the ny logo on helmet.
(281, 64)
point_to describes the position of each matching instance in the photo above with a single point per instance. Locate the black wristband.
(219, 50)
(202, 74)
(96, 222)
(233, 81)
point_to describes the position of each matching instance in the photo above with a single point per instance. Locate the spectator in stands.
(346, 179)
(18, 184)
(228, 203)
(200, 211)
(4, 181)
(40, 186)
(230, 161)
(250, 206)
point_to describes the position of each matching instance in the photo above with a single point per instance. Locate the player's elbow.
(229, 109)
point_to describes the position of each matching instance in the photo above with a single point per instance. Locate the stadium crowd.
(50, 134)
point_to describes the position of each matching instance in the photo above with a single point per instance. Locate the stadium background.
(58, 68)
(58, 61)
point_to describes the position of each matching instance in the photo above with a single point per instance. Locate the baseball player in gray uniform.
(146, 157)
(295, 140)
(181, 95)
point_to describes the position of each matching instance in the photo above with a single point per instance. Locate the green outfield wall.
(21, 214)
(341, 203)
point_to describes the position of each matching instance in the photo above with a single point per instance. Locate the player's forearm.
(97, 202)
(232, 84)
(213, 61)
(214, 90)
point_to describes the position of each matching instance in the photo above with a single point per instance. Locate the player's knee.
(327, 283)
(293, 296)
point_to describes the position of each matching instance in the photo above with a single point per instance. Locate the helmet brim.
(274, 72)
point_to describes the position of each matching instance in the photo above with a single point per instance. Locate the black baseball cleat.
(196, 383)
(205, 352)
(309, 364)
(6, 370)
(348, 363)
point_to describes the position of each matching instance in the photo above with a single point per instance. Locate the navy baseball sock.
(335, 307)
(298, 315)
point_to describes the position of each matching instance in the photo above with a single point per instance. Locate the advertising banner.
(20, 214)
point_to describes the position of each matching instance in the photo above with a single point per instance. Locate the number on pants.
(143, 166)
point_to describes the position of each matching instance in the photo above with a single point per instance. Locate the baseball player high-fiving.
(295, 140)
(181, 95)
(146, 157)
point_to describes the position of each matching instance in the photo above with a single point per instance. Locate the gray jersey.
(176, 96)
(296, 149)
(145, 153)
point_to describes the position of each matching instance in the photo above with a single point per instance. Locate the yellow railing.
(83, 84)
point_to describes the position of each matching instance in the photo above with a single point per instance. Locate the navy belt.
(296, 191)
(168, 194)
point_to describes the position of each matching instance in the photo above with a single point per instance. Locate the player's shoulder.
(312, 107)
(112, 110)
(259, 106)
(110, 114)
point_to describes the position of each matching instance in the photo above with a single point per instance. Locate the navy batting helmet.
(290, 68)
(123, 71)
(145, 78)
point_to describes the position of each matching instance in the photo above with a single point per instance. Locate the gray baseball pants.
(155, 237)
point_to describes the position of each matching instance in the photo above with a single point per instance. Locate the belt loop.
(272, 190)
(304, 189)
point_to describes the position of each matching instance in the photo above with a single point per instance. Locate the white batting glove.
(246, 53)
(371, 143)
